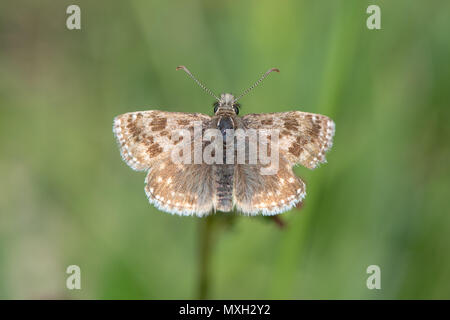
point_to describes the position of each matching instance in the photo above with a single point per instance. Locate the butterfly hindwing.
(184, 189)
(255, 193)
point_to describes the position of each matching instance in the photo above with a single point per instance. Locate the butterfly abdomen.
(224, 174)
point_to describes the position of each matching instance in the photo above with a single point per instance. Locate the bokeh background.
(67, 198)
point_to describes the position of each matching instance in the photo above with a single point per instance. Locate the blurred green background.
(66, 197)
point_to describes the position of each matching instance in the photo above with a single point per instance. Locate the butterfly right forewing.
(304, 137)
(146, 143)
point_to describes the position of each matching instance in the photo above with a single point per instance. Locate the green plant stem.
(205, 245)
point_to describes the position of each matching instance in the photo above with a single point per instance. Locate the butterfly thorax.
(226, 121)
(224, 173)
(225, 112)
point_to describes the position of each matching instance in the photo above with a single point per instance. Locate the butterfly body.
(232, 181)
(227, 122)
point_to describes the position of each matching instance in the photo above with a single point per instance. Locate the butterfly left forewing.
(146, 136)
(146, 140)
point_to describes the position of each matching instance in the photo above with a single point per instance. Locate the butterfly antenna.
(198, 82)
(256, 83)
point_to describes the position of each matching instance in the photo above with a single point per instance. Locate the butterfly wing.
(145, 142)
(145, 136)
(183, 189)
(255, 193)
(304, 137)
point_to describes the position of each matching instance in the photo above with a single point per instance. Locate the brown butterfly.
(146, 143)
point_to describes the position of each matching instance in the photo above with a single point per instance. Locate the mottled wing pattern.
(145, 136)
(304, 137)
(145, 141)
(266, 194)
(184, 189)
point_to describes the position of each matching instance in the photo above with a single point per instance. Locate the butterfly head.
(226, 102)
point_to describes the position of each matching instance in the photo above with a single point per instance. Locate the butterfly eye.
(216, 105)
(236, 107)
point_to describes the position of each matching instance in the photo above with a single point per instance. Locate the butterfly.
(146, 143)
